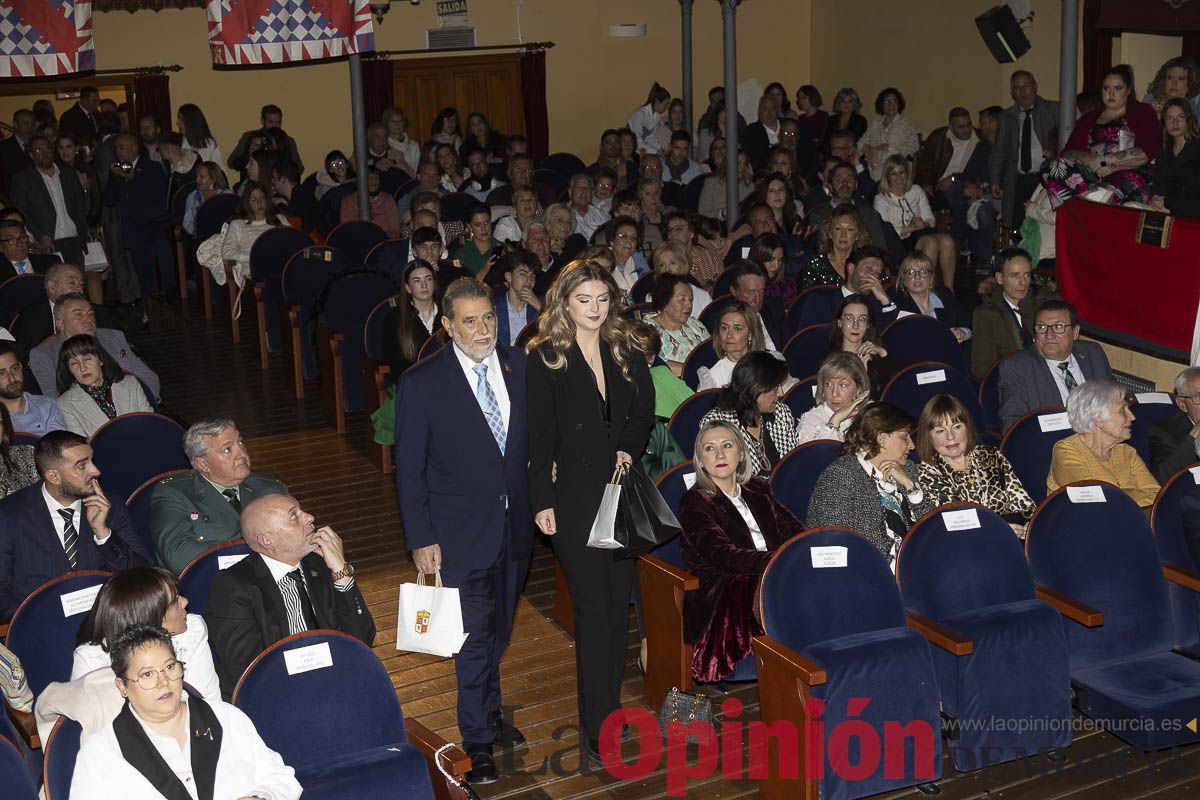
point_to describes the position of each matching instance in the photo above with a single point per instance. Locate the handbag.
(603, 533)
(684, 708)
(94, 257)
(430, 618)
(645, 520)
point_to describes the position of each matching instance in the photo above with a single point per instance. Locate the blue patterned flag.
(45, 37)
(276, 31)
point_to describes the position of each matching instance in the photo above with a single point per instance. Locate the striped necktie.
(70, 536)
(1068, 378)
(490, 406)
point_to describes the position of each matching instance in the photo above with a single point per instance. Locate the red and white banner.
(45, 37)
(277, 31)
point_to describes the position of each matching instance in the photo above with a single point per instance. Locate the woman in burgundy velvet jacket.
(725, 551)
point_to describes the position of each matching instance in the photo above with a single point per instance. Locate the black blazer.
(40, 262)
(76, 121)
(27, 190)
(1171, 448)
(952, 313)
(13, 157)
(1177, 178)
(142, 201)
(246, 614)
(566, 428)
(31, 552)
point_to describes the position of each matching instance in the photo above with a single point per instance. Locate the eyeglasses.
(913, 273)
(626, 236)
(21, 238)
(1194, 399)
(148, 678)
(789, 133)
(1057, 327)
(851, 319)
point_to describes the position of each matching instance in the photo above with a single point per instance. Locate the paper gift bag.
(603, 534)
(430, 618)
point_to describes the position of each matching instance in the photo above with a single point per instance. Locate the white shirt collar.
(54, 506)
(278, 569)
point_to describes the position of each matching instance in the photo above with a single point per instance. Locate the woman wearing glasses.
(853, 331)
(916, 294)
(164, 744)
(906, 208)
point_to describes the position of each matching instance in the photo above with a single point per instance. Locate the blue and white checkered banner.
(45, 37)
(277, 31)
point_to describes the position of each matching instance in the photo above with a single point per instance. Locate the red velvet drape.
(378, 87)
(533, 98)
(1097, 47)
(152, 95)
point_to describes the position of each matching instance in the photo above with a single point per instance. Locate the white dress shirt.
(1057, 372)
(739, 503)
(60, 524)
(64, 226)
(587, 223)
(494, 379)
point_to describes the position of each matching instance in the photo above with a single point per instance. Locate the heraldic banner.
(45, 37)
(277, 31)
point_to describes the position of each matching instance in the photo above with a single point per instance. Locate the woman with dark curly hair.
(750, 403)
(890, 134)
(1179, 79)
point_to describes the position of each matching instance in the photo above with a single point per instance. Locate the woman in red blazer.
(731, 524)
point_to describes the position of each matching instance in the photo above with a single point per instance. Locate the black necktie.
(1027, 142)
(310, 616)
(1025, 340)
(232, 496)
(70, 536)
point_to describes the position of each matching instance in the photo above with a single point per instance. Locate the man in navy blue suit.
(62, 523)
(462, 445)
(138, 188)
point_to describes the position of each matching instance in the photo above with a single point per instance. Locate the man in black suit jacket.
(748, 283)
(464, 497)
(1044, 374)
(80, 119)
(867, 269)
(15, 258)
(296, 579)
(1175, 441)
(14, 150)
(138, 188)
(42, 191)
(36, 322)
(62, 523)
(762, 135)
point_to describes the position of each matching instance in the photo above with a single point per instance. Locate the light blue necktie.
(490, 406)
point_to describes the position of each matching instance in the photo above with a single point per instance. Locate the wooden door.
(490, 85)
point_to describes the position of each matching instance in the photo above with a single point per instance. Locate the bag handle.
(437, 578)
(619, 473)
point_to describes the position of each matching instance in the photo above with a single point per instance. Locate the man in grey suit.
(1025, 133)
(1058, 362)
(52, 201)
(191, 512)
(73, 315)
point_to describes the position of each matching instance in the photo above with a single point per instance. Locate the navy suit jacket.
(500, 302)
(31, 553)
(142, 201)
(452, 479)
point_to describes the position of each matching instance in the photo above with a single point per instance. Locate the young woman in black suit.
(591, 407)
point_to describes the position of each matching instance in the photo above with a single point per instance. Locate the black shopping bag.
(644, 520)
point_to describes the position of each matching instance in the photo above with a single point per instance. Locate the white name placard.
(689, 479)
(80, 601)
(933, 376)
(1086, 494)
(1154, 397)
(225, 562)
(1054, 422)
(826, 557)
(306, 659)
(962, 519)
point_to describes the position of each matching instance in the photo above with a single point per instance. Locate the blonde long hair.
(556, 330)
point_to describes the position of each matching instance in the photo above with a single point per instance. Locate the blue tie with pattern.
(490, 406)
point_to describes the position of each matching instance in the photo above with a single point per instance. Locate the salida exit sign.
(451, 8)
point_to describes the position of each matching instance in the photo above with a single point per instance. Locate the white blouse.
(814, 424)
(739, 502)
(901, 211)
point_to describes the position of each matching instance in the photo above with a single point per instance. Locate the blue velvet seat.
(989, 399)
(915, 385)
(919, 338)
(305, 275)
(1148, 408)
(454, 206)
(14, 776)
(20, 292)
(197, 577)
(976, 582)
(1029, 448)
(42, 636)
(363, 749)
(708, 315)
(356, 238)
(348, 303)
(268, 256)
(806, 348)
(390, 257)
(133, 448)
(1091, 545)
(565, 164)
(684, 424)
(210, 216)
(1167, 522)
(837, 634)
(138, 506)
(795, 476)
(61, 750)
(392, 179)
(675, 482)
(802, 397)
(815, 306)
(702, 355)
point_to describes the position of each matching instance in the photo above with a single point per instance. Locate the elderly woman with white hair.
(1097, 451)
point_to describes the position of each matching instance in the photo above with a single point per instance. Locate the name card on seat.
(1153, 397)
(79, 601)
(306, 659)
(961, 520)
(1195, 475)
(933, 376)
(689, 479)
(225, 562)
(1086, 494)
(1054, 422)
(827, 557)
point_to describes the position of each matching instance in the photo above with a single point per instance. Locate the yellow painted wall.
(1145, 53)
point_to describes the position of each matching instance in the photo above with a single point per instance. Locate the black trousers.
(600, 586)
(489, 601)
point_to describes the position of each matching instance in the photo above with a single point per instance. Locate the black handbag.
(644, 520)
(684, 708)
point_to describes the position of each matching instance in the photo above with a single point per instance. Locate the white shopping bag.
(430, 618)
(604, 525)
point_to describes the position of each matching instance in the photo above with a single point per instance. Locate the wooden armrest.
(1070, 607)
(1182, 576)
(938, 634)
(658, 570)
(4, 630)
(26, 726)
(456, 762)
(789, 661)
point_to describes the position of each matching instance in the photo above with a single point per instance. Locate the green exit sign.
(449, 8)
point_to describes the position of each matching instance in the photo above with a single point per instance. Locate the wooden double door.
(490, 85)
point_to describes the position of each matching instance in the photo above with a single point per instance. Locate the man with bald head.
(295, 579)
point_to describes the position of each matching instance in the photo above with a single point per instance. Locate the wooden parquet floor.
(205, 374)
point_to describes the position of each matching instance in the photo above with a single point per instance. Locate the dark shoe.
(507, 734)
(589, 756)
(483, 768)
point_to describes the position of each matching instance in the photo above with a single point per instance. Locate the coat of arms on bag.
(422, 625)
